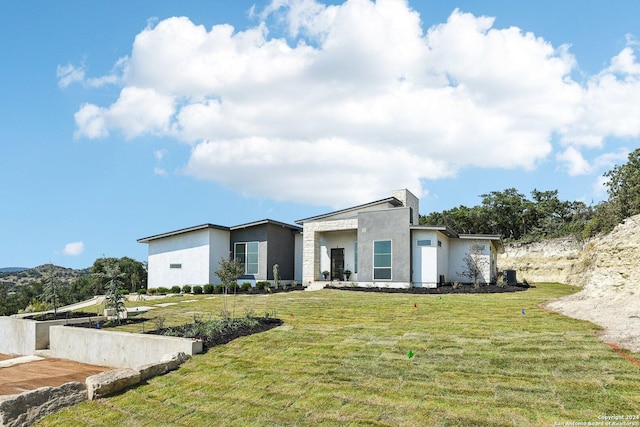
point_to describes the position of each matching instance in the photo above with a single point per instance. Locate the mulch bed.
(264, 324)
(446, 289)
(60, 316)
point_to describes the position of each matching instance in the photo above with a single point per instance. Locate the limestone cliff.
(605, 261)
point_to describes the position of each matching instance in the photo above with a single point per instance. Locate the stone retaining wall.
(27, 408)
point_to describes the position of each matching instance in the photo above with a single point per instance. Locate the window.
(247, 254)
(439, 244)
(355, 257)
(424, 242)
(382, 260)
(175, 265)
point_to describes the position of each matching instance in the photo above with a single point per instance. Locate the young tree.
(475, 263)
(51, 289)
(229, 272)
(114, 282)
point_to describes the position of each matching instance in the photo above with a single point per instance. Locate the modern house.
(381, 244)
(375, 244)
(191, 255)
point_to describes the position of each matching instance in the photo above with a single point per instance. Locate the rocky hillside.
(608, 261)
(25, 277)
(607, 269)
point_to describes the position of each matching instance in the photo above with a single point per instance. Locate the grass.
(341, 358)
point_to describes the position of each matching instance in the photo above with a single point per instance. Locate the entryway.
(337, 264)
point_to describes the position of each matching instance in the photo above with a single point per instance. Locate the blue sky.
(121, 120)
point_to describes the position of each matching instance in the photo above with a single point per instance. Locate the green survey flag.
(410, 354)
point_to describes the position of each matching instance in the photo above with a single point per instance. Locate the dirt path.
(47, 372)
(616, 310)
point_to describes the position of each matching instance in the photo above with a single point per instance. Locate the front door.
(337, 264)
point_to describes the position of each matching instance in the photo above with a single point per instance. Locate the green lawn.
(341, 358)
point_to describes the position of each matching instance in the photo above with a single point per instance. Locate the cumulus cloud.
(73, 249)
(359, 98)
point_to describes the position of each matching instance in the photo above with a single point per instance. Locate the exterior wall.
(297, 269)
(443, 257)
(458, 249)
(198, 252)
(390, 224)
(311, 270)
(17, 336)
(281, 251)
(116, 349)
(409, 200)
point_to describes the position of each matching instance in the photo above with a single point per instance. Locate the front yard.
(355, 358)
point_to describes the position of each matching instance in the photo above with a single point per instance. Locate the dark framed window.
(382, 268)
(247, 254)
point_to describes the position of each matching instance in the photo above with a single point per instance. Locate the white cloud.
(361, 99)
(574, 162)
(73, 249)
(69, 74)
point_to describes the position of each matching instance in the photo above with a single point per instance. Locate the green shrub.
(123, 292)
(186, 289)
(175, 289)
(162, 290)
(142, 291)
(197, 289)
(233, 287)
(219, 288)
(246, 286)
(208, 288)
(152, 291)
(263, 285)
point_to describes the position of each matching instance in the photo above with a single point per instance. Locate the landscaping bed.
(446, 289)
(217, 332)
(59, 316)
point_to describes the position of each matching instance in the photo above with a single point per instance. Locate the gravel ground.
(617, 311)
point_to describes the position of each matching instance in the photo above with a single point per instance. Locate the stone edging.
(28, 407)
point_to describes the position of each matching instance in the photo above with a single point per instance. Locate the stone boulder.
(110, 382)
(169, 362)
(28, 407)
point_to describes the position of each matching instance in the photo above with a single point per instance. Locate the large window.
(382, 260)
(247, 254)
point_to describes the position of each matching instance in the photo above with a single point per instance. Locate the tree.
(134, 273)
(51, 289)
(508, 209)
(229, 272)
(114, 282)
(623, 186)
(475, 263)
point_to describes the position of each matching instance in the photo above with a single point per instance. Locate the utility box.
(510, 277)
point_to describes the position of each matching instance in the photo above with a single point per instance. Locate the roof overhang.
(494, 238)
(439, 228)
(182, 231)
(265, 222)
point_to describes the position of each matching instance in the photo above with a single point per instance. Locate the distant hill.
(13, 276)
(12, 269)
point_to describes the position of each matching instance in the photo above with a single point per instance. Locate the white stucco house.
(380, 243)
